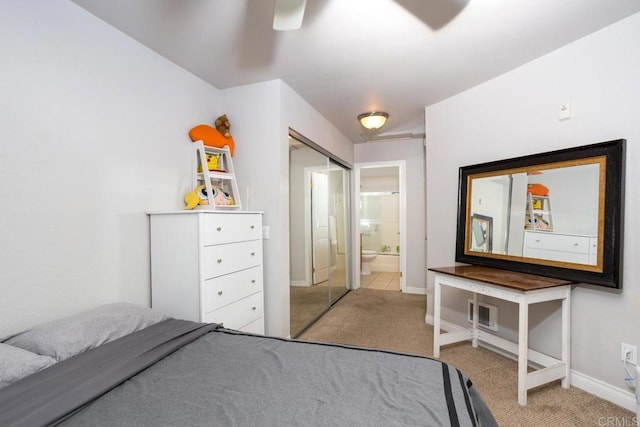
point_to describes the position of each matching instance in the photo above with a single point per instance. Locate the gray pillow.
(16, 363)
(67, 337)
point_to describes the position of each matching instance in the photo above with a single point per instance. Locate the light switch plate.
(565, 112)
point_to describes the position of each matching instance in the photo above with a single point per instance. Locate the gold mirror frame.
(605, 264)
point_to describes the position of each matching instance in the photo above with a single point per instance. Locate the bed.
(122, 364)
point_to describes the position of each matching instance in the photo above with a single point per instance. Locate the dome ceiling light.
(373, 120)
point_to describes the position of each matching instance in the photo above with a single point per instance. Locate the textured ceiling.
(352, 56)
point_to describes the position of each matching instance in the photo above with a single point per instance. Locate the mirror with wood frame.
(556, 214)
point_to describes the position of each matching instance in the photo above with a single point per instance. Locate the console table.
(522, 289)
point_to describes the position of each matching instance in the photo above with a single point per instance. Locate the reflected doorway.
(319, 265)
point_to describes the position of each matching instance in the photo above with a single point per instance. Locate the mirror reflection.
(547, 212)
(481, 233)
(319, 261)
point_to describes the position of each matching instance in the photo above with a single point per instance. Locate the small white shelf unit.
(538, 207)
(224, 177)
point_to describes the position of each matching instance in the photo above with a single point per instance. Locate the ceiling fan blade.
(288, 14)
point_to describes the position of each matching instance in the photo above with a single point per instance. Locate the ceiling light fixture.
(373, 120)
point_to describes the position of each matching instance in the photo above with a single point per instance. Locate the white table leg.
(476, 320)
(436, 318)
(523, 348)
(566, 339)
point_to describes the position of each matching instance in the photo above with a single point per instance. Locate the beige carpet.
(395, 321)
(307, 303)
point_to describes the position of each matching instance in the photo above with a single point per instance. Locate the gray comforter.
(179, 373)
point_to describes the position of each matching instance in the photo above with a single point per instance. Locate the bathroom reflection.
(380, 227)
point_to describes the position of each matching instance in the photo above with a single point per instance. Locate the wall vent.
(487, 315)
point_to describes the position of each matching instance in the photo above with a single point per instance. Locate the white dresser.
(576, 248)
(207, 267)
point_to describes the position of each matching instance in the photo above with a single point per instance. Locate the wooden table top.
(506, 278)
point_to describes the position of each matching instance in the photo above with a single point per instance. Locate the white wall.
(573, 211)
(94, 130)
(412, 151)
(263, 113)
(517, 114)
(298, 115)
(94, 134)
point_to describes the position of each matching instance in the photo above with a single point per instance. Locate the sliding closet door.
(338, 196)
(308, 235)
(319, 247)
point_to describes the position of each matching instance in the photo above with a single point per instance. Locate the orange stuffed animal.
(537, 189)
(214, 137)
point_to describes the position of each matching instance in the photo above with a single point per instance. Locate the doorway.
(320, 261)
(380, 218)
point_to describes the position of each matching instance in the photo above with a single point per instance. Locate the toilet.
(367, 257)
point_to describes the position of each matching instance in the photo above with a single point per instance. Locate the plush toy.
(196, 197)
(536, 204)
(211, 137)
(221, 197)
(213, 163)
(537, 189)
(539, 223)
(223, 125)
(199, 197)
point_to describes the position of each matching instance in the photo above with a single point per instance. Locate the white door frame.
(402, 179)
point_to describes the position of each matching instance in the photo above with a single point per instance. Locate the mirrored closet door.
(319, 229)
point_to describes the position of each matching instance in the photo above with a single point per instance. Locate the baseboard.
(414, 290)
(606, 391)
(620, 397)
(384, 268)
(447, 326)
(300, 283)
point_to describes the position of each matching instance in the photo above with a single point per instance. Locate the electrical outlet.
(629, 353)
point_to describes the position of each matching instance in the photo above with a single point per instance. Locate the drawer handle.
(253, 308)
(253, 226)
(253, 253)
(575, 244)
(219, 292)
(253, 281)
(219, 228)
(219, 260)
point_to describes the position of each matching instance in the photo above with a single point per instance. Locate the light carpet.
(395, 321)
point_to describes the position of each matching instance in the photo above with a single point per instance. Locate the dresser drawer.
(255, 327)
(558, 242)
(226, 289)
(238, 314)
(224, 259)
(224, 228)
(563, 256)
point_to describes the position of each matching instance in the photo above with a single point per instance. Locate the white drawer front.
(558, 242)
(224, 290)
(558, 255)
(224, 259)
(227, 228)
(238, 314)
